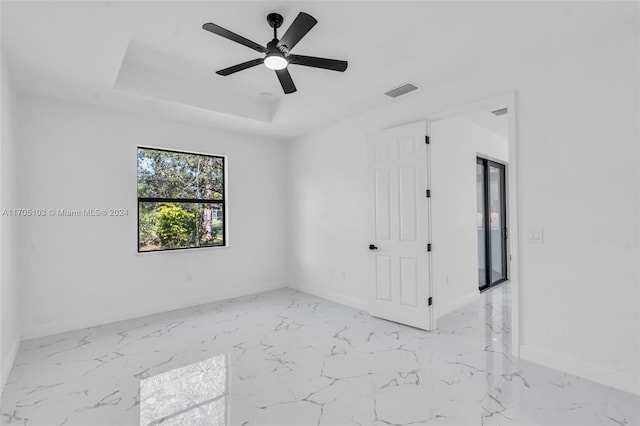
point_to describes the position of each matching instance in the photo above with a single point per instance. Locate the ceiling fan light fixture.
(277, 53)
(275, 61)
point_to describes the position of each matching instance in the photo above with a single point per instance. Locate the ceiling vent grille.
(499, 112)
(401, 90)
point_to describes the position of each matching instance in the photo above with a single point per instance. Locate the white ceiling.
(152, 57)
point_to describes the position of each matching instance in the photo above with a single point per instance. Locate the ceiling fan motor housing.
(274, 48)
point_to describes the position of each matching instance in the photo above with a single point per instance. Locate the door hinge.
(429, 247)
(428, 193)
(430, 301)
(426, 139)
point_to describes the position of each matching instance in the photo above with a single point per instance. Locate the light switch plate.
(535, 236)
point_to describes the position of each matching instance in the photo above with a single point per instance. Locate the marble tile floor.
(287, 358)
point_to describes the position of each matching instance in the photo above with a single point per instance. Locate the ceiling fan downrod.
(275, 21)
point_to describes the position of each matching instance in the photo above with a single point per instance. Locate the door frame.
(486, 163)
(508, 100)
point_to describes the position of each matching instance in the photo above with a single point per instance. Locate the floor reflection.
(191, 395)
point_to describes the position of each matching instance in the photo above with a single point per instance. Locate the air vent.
(401, 90)
(502, 111)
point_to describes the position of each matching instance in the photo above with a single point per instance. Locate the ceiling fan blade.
(298, 29)
(240, 67)
(216, 29)
(286, 81)
(312, 61)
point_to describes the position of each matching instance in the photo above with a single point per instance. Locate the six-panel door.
(399, 213)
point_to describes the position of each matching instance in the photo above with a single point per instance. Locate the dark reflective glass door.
(492, 226)
(482, 241)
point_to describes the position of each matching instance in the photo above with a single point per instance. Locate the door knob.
(372, 247)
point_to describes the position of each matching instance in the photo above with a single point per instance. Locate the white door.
(399, 226)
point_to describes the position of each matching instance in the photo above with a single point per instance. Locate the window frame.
(222, 201)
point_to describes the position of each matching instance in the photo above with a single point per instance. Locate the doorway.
(510, 157)
(491, 223)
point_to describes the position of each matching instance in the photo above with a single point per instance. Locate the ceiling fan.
(277, 53)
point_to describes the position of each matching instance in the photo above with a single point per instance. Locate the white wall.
(453, 209)
(9, 324)
(577, 141)
(488, 144)
(82, 271)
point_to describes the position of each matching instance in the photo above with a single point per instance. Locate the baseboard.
(7, 363)
(591, 372)
(34, 332)
(441, 310)
(352, 302)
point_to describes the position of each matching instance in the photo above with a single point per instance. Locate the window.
(181, 200)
